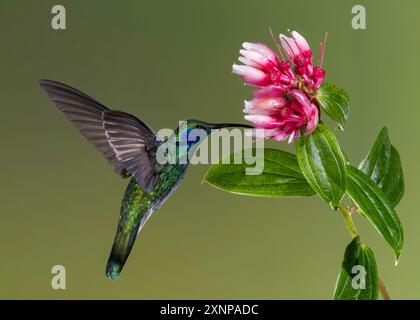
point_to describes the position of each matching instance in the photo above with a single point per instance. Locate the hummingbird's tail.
(123, 243)
(134, 213)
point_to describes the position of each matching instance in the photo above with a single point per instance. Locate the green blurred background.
(165, 61)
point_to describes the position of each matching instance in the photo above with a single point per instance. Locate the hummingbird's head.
(208, 127)
(192, 132)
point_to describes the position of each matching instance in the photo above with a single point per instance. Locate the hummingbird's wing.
(127, 142)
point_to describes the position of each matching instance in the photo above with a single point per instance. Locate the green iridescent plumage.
(136, 207)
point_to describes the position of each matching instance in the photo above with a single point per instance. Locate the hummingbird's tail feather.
(123, 243)
(135, 210)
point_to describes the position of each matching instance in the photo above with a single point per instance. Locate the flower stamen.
(277, 44)
(323, 47)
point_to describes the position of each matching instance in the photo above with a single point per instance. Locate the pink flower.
(298, 51)
(296, 48)
(284, 104)
(283, 117)
(261, 67)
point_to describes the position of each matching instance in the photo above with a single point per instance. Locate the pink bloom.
(283, 105)
(269, 91)
(265, 105)
(251, 75)
(296, 47)
(310, 110)
(283, 117)
(261, 67)
(298, 51)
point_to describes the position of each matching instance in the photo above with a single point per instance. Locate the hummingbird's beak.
(232, 125)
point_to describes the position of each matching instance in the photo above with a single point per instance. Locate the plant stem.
(348, 220)
(383, 289)
(347, 212)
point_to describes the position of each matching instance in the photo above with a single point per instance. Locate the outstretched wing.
(127, 142)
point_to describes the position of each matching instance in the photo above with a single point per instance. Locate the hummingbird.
(131, 147)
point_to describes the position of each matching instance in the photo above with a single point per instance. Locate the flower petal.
(255, 56)
(293, 136)
(260, 133)
(313, 120)
(250, 63)
(280, 135)
(261, 48)
(269, 91)
(301, 43)
(263, 121)
(266, 106)
(270, 103)
(251, 75)
(290, 47)
(300, 97)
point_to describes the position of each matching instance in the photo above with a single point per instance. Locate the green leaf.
(323, 164)
(335, 102)
(392, 184)
(281, 176)
(358, 264)
(383, 165)
(374, 204)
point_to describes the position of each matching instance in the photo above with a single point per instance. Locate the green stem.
(348, 220)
